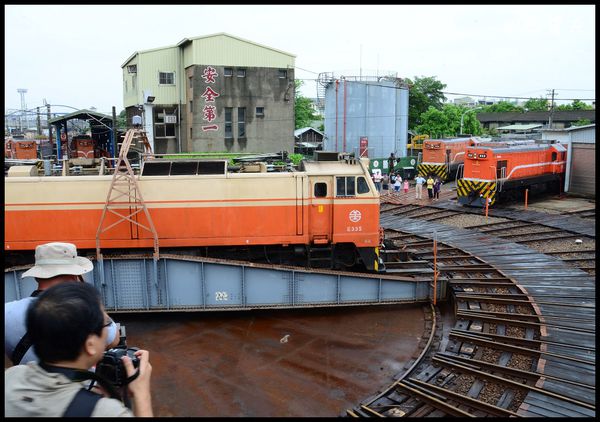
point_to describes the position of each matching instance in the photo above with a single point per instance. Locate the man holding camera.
(55, 263)
(68, 328)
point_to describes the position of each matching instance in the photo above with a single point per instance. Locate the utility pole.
(551, 111)
(39, 121)
(114, 132)
(48, 121)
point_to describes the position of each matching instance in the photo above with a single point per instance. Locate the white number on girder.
(221, 296)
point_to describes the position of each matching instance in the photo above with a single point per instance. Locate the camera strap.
(78, 375)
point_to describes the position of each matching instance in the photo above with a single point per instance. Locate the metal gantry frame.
(124, 185)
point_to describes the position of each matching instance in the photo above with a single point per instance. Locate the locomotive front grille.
(439, 170)
(475, 193)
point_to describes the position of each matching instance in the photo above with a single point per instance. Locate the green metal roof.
(83, 115)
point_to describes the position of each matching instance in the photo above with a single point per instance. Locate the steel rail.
(514, 371)
(513, 383)
(481, 405)
(524, 341)
(463, 296)
(515, 349)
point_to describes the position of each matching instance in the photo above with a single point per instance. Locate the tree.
(423, 93)
(122, 120)
(575, 105)
(582, 122)
(303, 111)
(536, 104)
(446, 122)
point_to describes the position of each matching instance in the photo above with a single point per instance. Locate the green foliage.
(423, 93)
(122, 120)
(303, 111)
(502, 107)
(575, 105)
(536, 104)
(582, 122)
(296, 158)
(446, 122)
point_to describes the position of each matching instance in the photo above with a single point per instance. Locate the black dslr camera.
(111, 367)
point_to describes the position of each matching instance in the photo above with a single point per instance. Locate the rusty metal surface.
(314, 362)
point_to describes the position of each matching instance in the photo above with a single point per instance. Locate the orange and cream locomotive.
(503, 172)
(442, 157)
(326, 211)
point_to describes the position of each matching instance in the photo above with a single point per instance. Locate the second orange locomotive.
(497, 173)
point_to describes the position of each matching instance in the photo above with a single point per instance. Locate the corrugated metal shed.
(519, 127)
(580, 177)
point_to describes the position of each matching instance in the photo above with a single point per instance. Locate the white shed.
(580, 177)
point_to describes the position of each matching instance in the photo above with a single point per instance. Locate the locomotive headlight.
(470, 155)
(482, 155)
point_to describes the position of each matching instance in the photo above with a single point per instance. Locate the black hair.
(62, 318)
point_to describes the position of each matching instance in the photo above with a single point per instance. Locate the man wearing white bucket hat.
(55, 263)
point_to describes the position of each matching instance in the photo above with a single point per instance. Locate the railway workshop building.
(580, 175)
(212, 93)
(560, 118)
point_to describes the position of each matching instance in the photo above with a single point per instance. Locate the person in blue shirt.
(55, 263)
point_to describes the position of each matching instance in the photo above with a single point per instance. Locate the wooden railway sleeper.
(513, 383)
(512, 371)
(474, 338)
(452, 410)
(486, 407)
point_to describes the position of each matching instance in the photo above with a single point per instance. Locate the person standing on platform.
(430, 183)
(391, 163)
(397, 183)
(377, 179)
(437, 187)
(405, 186)
(419, 187)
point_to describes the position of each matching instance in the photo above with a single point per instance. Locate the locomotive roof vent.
(326, 156)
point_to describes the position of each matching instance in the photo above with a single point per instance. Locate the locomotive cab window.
(320, 190)
(362, 185)
(345, 186)
(554, 156)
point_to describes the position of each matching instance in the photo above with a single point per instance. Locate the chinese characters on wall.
(209, 111)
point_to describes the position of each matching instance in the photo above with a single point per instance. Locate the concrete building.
(212, 93)
(367, 117)
(580, 176)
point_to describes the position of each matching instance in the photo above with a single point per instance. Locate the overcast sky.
(72, 55)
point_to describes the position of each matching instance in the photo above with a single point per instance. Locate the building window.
(161, 128)
(191, 106)
(191, 79)
(165, 78)
(282, 73)
(228, 71)
(241, 73)
(228, 123)
(191, 132)
(260, 112)
(241, 122)
(132, 68)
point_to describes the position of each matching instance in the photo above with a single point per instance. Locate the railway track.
(575, 247)
(491, 362)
